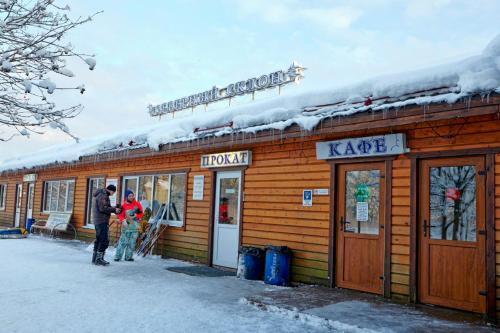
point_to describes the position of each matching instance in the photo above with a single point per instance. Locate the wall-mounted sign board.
(307, 198)
(198, 187)
(379, 145)
(229, 159)
(31, 177)
(321, 191)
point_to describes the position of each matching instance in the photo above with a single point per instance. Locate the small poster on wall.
(198, 185)
(307, 198)
(112, 181)
(320, 191)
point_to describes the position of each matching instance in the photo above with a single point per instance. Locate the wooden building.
(401, 200)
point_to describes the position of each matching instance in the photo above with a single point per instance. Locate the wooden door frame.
(332, 242)
(211, 224)
(489, 163)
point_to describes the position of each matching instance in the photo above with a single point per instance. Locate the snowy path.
(50, 286)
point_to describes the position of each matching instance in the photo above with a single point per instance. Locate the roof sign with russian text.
(274, 79)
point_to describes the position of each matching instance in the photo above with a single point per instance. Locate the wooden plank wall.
(400, 238)
(273, 212)
(7, 214)
(191, 242)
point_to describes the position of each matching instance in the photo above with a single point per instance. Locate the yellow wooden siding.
(400, 228)
(273, 213)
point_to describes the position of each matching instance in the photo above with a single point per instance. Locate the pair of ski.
(157, 225)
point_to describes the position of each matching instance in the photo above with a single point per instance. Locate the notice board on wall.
(198, 187)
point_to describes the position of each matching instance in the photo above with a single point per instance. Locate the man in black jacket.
(101, 212)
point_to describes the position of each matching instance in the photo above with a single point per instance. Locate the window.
(3, 192)
(157, 191)
(144, 192)
(93, 185)
(452, 203)
(58, 196)
(177, 198)
(362, 201)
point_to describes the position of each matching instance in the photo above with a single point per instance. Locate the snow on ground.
(50, 286)
(448, 83)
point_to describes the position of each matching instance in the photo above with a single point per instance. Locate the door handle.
(343, 223)
(425, 228)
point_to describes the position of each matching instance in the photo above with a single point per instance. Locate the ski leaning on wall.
(156, 226)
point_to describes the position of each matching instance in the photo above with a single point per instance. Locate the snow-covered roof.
(446, 83)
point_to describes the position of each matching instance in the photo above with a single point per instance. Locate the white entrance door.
(19, 195)
(29, 204)
(227, 219)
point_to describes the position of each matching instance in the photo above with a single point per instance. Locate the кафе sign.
(224, 160)
(370, 146)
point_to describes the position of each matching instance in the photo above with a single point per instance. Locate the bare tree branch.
(32, 52)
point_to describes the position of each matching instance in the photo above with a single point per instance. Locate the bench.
(57, 222)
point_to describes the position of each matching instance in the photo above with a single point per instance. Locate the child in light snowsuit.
(129, 218)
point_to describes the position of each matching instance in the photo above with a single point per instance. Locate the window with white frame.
(3, 193)
(93, 185)
(166, 192)
(58, 196)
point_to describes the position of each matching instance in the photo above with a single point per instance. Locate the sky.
(154, 51)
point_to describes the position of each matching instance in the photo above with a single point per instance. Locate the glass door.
(452, 266)
(227, 218)
(360, 219)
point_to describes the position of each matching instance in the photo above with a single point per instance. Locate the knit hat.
(127, 193)
(111, 188)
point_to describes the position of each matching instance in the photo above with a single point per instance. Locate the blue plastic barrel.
(277, 270)
(251, 265)
(29, 223)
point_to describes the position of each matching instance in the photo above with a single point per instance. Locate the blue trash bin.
(251, 263)
(277, 270)
(29, 223)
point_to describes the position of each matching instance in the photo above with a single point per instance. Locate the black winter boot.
(105, 261)
(94, 255)
(99, 259)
